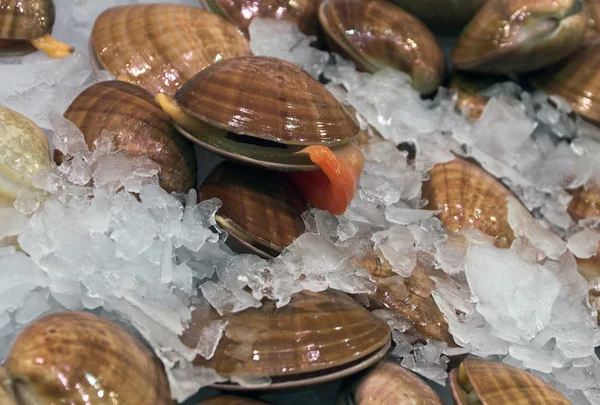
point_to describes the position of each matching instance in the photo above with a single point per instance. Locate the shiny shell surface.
(9, 47)
(497, 383)
(26, 19)
(260, 207)
(24, 152)
(140, 127)
(469, 100)
(241, 12)
(316, 331)
(377, 34)
(230, 400)
(267, 98)
(72, 357)
(442, 15)
(515, 36)
(161, 46)
(469, 197)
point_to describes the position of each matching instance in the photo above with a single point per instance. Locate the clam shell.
(140, 127)
(10, 47)
(230, 400)
(442, 15)
(377, 34)
(69, 357)
(593, 33)
(262, 205)
(24, 152)
(468, 196)
(315, 332)
(26, 19)
(515, 36)
(241, 12)
(585, 203)
(388, 383)
(497, 383)
(161, 46)
(469, 102)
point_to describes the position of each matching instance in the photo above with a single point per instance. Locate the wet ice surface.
(149, 262)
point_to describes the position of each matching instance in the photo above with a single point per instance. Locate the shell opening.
(52, 47)
(231, 228)
(467, 392)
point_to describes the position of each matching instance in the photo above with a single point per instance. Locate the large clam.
(515, 36)
(479, 381)
(140, 128)
(442, 15)
(160, 46)
(26, 26)
(377, 34)
(79, 358)
(268, 112)
(316, 337)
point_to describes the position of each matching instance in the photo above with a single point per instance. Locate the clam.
(593, 32)
(376, 34)
(469, 100)
(230, 400)
(442, 15)
(26, 26)
(261, 209)
(316, 337)
(140, 128)
(241, 12)
(79, 358)
(388, 383)
(516, 36)
(160, 46)
(268, 112)
(469, 197)
(479, 381)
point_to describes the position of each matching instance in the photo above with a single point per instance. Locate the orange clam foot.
(333, 186)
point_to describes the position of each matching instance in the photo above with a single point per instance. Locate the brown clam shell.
(516, 36)
(23, 20)
(498, 383)
(593, 32)
(442, 15)
(469, 102)
(262, 205)
(241, 12)
(140, 127)
(161, 46)
(72, 357)
(267, 98)
(230, 400)
(17, 47)
(315, 331)
(376, 34)
(468, 196)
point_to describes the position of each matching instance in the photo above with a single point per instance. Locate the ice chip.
(584, 244)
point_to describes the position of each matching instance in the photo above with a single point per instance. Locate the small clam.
(79, 358)
(140, 127)
(388, 383)
(442, 15)
(376, 34)
(160, 46)
(268, 112)
(25, 25)
(316, 337)
(479, 381)
(230, 400)
(241, 12)
(468, 196)
(515, 36)
(261, 208)
(23, 153)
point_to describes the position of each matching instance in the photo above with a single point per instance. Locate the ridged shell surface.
(74, 357)
(26, 19)
(442, 15)
(140, 127)
(161, 46)
(230, 400)
(267, 98)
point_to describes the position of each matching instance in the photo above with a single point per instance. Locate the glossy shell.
(468, 196)
(442, 15)
(497, 383)
(261, 208)
(140, 127)
(26, 19)
(230, 400)
(514, 36)
(468, 86)
(241, 12)
(376, 34)
(15, 47)
(70, 357)
(316, 331)
(23, 153)
(161, 46)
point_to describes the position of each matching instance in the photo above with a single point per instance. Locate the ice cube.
(584, 244)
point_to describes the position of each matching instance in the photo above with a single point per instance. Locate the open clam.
(515, 36)
(479, 381)
(261, 209)
(316, 337)
(442, 15)
(160, 46)
(377, 34)
(26, 26)
(140, 128)
(76, 358)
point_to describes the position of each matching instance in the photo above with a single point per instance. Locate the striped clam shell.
(23, 20)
